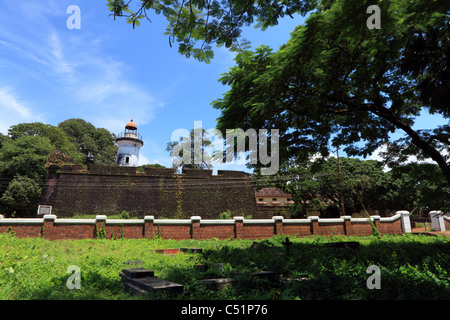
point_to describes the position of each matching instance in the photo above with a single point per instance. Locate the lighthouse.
(129, 143)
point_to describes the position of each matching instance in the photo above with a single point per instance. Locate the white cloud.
(57, 58)
(13, 110)
(84, 79)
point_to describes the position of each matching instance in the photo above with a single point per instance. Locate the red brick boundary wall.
(49, 227)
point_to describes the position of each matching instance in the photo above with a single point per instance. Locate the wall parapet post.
(437, 221)
(347, 225)
(48, 226)
(278, 224)
(406, 223)
(100, 223)
(148, 226)
(195, 227)
(314, 224)
(238, 227)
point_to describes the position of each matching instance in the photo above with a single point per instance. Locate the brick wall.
(159, 192)
(51, 228)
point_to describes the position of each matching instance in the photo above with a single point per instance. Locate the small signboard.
(43, 209)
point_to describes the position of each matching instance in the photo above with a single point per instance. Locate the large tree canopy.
(196, 25)
(337, 81)
(25, 151)
(366, 187)
(97, 145)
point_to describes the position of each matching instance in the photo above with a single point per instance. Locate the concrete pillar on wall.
(376, 221)
(278, 224)
(195, 226)
(314, 224)
(406, 223)
(49, 220)
(437, 221)
(347, 224)
(238, 227)
(100, 221)
(148, 226)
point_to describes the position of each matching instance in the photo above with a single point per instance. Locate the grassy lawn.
(412, 267)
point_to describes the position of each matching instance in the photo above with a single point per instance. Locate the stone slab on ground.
(140, 280)
(167, 251)
(217, 283)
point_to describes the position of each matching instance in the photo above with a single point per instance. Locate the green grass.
(412, 267)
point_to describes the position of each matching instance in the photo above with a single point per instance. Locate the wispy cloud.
(14, 111)
(87, 80)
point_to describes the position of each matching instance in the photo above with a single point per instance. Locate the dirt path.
(423, 230)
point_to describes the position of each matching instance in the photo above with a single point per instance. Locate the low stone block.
(150, 284)
(167, 251)
(217, 283)
(136, 273)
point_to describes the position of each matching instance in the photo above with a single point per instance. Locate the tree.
(97, 145)
(384, 77)
(25, 156)
(177, 150)
(422, 185)
(196, 25)
(336, 81)
(22, 195)
(316, 185)
(58, 138)
(153, 165)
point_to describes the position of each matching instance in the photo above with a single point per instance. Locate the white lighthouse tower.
(129, 143)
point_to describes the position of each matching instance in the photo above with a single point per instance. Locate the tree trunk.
(416, 139)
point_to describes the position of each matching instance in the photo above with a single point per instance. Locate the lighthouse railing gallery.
(128, 134)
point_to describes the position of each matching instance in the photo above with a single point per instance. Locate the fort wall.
(160, 192)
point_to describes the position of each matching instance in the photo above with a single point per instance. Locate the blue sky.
(107, 73)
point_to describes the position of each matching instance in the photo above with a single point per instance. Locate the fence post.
(347, 225)
(376, 222)
(314, 224)
(49, 220)
(195, 226)
(148, 226)
(437, 221)
(238, 227)
(100, 222)
(278, 224)
(406, 223)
